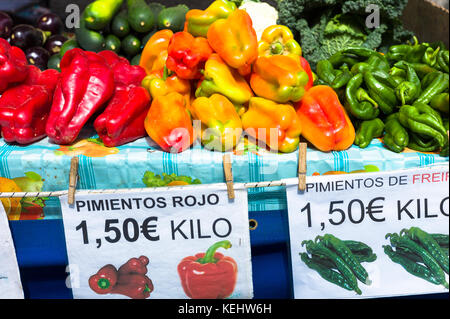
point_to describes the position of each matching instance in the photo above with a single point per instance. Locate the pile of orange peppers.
(216, 82)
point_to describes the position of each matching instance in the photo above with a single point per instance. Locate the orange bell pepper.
(235, 40)
(160, 83)
(325, 122)
(277, 125)
(199, 21)
(221, 124)
(187, 55)
(169, 124)
(154, 54)
(279, 78)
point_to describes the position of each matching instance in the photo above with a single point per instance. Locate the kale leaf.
(324, 27)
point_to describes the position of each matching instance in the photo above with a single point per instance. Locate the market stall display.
(150, 96)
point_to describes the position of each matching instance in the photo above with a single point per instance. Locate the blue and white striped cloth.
(126, 168)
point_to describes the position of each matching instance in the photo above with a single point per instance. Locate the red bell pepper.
(133, 281)
(209, 275)
(326, 124)
(13, 65)
(305, 65)
(125, 74)
(123, 119)
(24, 108)
(187, 55)
(130, 280)
(104, 280)
(85, 86)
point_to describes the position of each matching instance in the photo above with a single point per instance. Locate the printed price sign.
(10, 284)
(370, 235)
(186, 242)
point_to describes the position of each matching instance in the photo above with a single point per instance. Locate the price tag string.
(131, 190)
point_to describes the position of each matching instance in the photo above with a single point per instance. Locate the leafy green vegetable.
(150, 179)
(324, 27)
(97, 140)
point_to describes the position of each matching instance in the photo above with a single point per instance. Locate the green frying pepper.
(381, 93)
(440, 102)
(336, 79)
(396, 137)
(358, 103)
(411, 88)
(367, 131)
(442, 60)
(425, 125)
(439, 83)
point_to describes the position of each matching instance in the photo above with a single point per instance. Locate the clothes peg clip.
(227, 167)
(302, 166)
(73, 179)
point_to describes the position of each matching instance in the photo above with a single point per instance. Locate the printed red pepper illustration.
(130, 280)
(209, 275)
(104, 280)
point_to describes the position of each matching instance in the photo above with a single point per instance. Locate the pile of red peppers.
(100, 87)
(130, 279)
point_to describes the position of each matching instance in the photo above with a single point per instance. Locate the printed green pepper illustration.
(150, 179)
(339, 261)
(420, 253)
(209, 275)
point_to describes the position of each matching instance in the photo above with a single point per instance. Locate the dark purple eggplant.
(38, 56)
(54, 43)
(26, 36)
(50, 22)
(6, 24)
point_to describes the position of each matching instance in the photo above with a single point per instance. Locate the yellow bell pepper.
(221, 124)
(277, 125)
(161, 83)
(154, 54)
(220, 78)
(199, 21)
(279, 40)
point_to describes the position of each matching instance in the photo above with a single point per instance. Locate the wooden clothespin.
(73, 178)
(302, 166)
(227, 167)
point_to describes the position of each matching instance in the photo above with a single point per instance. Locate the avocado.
(112, 43)
(68, 45)
(135, 60)
(89, 40)
(146, 38)
(119, 25)
(140, 16)
(156, 8)
(54, 62)
(131, 45)
(172, 18)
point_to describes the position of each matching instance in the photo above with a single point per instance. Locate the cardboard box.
(427, 20)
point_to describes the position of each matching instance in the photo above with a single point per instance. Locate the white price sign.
(182, 242)
(10, 284)
(370, 235)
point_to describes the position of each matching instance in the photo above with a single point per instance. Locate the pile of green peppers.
(420, 253)
(339, 261)
(401, 96)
